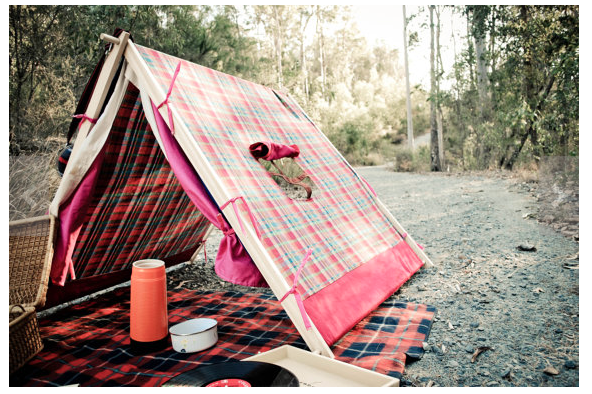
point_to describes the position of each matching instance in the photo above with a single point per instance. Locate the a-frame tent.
(164, 155)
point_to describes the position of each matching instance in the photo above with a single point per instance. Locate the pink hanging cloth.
(273, 151)
(233, 263)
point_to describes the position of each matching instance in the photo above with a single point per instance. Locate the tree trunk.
(508, 163)
(530, 93)
(409, 114)
(304, 69)
(303, 65)
(493, 57)
(457, 104)
(15, 96)
(470, 52)
(321, 41)
(481, 74)
(435, 164)
(439, 73)
(278, 45)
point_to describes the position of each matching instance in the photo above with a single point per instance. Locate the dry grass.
(526, 173)
(33, 181)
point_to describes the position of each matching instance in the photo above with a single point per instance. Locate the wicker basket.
(25, 341)
(30, 254)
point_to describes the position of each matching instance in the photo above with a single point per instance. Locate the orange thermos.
(148, 310)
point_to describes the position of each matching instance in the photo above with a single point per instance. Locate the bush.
(406, 160)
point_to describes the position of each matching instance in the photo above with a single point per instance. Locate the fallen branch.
(478, 351)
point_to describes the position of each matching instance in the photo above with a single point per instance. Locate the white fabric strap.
(84, 154)
(131, 75)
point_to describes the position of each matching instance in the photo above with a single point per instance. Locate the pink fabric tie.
(84, 117)
(297, 295)
(166, 100)
(251, 217)
(418, 245)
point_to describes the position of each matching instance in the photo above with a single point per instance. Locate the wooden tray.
(313, 370)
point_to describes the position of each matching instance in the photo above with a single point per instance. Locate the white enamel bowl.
(194, 335)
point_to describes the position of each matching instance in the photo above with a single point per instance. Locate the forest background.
(509, 98)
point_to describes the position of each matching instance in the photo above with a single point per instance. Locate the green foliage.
(353, 91)
(526, 108)
(533, 56)
(54, 49)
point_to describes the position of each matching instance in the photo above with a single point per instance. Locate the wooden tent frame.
(123, 47)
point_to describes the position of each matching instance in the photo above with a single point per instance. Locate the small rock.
(526, 247)
(469, 349)
(491, 383)
(551, 371)
(506, 373)
(570, 364)
(454, 364)
(475, 324)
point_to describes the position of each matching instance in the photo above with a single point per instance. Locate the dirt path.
(520, 308)
(422, 140)
(522, 305)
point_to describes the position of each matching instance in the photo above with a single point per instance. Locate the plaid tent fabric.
(138, 209)
(225, 115)
(88, 344)
(358, 257)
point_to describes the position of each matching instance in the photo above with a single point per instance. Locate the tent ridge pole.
(111, 39)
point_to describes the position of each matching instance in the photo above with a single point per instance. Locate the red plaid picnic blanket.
(88, 344)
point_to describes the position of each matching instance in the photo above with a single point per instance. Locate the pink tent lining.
(334, 311)
(70, 223)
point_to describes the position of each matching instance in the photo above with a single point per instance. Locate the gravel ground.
(506, 316)
(518, 308)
